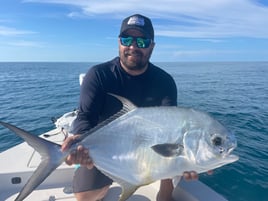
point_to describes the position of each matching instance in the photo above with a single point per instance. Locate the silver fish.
(138, 146)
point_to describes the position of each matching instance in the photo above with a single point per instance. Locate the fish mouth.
(226, 160)
(225, 154)
(218, 162)
(229, 158)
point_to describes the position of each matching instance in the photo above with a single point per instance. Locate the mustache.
(133, 52)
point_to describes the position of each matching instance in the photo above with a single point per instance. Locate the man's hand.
(192, 175)
(78, 156)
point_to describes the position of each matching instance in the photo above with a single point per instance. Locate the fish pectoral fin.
(127, 190)
(168, 149)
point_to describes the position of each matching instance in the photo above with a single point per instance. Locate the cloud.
(203, 54)
(25, 43)
(210, 40)
(184, 18)
(7, 31)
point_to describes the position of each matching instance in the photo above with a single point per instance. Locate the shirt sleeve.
(91, 100)
(171, 92)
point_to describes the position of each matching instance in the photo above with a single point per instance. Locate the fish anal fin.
(127, 190)
(168, 149)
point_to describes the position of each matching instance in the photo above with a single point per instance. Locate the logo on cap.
(136, 20)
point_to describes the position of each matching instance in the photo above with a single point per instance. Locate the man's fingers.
(71, 158)
(191, 175)
(210, 172)
(78, 156)
(194, 175)
(186, 176)
(84, 158)
(68, 142)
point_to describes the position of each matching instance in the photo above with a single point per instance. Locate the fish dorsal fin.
(168, 149)
(127, 106)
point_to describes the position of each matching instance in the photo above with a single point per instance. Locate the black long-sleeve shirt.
(154, 87)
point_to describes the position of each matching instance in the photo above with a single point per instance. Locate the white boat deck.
(19, 162)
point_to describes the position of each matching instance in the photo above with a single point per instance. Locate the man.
(132, 76)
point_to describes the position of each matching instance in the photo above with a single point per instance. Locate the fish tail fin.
(51, 158)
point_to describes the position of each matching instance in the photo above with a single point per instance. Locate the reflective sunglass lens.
(143, 42)
(140, 42)
(126, 41)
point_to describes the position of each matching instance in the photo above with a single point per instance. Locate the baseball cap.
(140, 23)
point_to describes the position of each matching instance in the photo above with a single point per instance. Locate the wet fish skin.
(141, 145)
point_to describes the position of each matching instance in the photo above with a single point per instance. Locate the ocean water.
(236, 93)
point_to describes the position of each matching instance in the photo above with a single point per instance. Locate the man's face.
(133, 58)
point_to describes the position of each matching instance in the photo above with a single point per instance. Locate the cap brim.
(135, 28)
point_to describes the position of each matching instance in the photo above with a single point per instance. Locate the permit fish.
(140, 145)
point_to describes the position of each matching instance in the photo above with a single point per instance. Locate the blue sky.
(87, 30)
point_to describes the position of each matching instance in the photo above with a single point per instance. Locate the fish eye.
(217, 141)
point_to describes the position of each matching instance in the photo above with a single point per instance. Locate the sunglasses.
(140, 42)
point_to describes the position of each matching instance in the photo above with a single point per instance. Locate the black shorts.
(89, 179)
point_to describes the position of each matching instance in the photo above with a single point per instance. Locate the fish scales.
(138, 131)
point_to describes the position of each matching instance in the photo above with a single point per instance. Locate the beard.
(134, 59)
